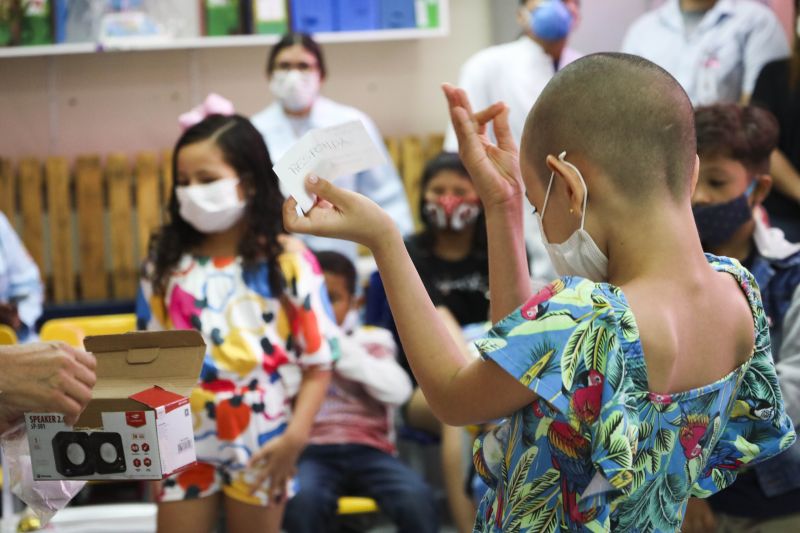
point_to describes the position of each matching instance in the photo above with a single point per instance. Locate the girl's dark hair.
(304, 40)
(442, 162)
(746, 134)
(243, 148)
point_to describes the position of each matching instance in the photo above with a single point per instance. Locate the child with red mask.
(451, 257)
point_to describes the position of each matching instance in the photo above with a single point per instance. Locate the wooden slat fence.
(87, 222)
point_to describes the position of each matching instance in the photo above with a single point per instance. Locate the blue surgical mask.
(717, 223)
(551, 20)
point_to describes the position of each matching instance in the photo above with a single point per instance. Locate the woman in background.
(451, 257)
(296, 71)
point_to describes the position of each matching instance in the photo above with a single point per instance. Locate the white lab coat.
(514, 73)
(382, 184)
(720, 59)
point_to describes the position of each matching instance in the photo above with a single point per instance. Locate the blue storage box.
(312, 16)
(398, 14)
(357, 15)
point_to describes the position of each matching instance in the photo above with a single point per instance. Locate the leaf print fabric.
(597, 451)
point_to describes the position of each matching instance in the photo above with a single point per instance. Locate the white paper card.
(329, 153)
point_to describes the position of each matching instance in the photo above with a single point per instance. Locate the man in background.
(714, 48)
(515, 73)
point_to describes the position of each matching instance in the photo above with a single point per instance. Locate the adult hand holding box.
(44, 377)
(138, 424)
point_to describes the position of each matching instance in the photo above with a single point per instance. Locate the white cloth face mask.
(296, 90)
(211, 207)
(579, 255)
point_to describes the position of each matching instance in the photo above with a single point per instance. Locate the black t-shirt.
(461, 286)
(772, 92)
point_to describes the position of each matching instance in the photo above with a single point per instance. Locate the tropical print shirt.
(597, 451)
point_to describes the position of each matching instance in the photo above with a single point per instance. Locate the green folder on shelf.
(223, 17)
(270, 17)
(427, 12)
(36, 26)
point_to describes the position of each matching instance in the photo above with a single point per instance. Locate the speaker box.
(109, 455)
(73, 453)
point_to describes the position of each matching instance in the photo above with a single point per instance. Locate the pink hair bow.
(214, 104)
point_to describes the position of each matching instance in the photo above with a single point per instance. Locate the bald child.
(617, 379)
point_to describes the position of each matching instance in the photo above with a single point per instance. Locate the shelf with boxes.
(226, 23)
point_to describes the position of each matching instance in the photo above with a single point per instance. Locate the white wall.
(98, 103)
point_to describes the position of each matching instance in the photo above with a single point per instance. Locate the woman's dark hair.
(746, 134)
(304, 40)
(243, 148)
(335, 263)
(446, 161)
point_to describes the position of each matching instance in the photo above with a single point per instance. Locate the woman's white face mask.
(579, 255)
(294, 89)
(211, 207)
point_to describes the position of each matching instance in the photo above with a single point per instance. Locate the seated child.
(351, 450)
(734, 144)
(620, 379)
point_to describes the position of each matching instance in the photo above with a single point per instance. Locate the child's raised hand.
(494, 168)
(338, 214)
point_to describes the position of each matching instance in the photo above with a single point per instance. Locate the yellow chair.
(350, 505)
(7, 335)
(72, 330)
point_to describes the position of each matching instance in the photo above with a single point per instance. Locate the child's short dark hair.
(746, 134)
(626, 116)
(340, 265)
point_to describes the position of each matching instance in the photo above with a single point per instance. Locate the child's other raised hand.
(494, 168)
(338, 214)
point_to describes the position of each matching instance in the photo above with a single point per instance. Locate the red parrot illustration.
(693, 429)
(571, 456)
(585, 401)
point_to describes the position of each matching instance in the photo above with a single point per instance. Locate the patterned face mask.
(451, 212)
(717, 223)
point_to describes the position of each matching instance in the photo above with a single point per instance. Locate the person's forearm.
(509, 278)
(309, 399)
(433, 355)
(785, 177)
(382, 377)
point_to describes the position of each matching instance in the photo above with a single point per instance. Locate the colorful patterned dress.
(597, 451)
(258, 345)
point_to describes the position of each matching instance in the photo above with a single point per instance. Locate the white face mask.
(296, 90)
(579, 254)
(212, 207)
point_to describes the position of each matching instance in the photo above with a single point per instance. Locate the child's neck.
(453, 245)
(740, 245)
(667, 248)
(224, 243)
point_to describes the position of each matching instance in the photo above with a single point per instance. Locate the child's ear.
(695, 175)
(763, 186)
(575, 188)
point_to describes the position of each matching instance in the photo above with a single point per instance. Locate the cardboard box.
(138, 424)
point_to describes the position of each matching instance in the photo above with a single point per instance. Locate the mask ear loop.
(561, 157)
(752, 187)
